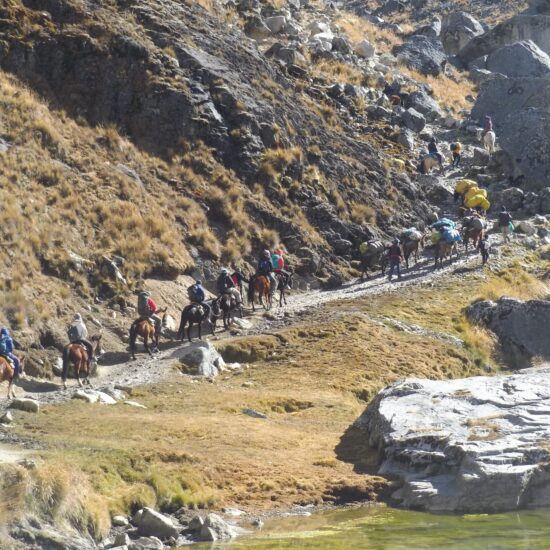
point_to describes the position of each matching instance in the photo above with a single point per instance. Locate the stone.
(545, 200)
(256, 28)
(137, 517)
(146, 543)
(134, 404)
(425, 105)
(480, 76)
(413, 120)
(200, 359)
(457, 29)
(215, 528)
(316, 27)
(475, 445)
(406, 139)
(89, 396)
(155, 524)
(481, 157)
(423, 54)
(365, 49)
(531, 203)
(511, 198)
(275, 23)
(522, 327)
(451, 122)
(120, 521)
(521, 27)
(525, 228)
(341, 45)
(433, 30)
(6, 418)
(196, 523)
(520, 59)
(121, 539)
(254, 414)
(25, 404)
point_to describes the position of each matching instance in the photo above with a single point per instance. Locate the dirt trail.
(146, 370)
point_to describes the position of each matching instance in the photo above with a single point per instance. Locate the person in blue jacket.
(6, 349)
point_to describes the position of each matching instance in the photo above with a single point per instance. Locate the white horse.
(489, 140)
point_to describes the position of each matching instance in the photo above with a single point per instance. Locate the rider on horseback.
(147, 309)
(487, 125)
(278, 263)
(197, 295)
(78, 334)
(226, 285)
(265, 268)
(434, 151)
(6, 350)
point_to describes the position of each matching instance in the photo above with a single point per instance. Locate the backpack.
(73, 334)
(3, 347)
(235, 280)
(194, 294)
(142, 302)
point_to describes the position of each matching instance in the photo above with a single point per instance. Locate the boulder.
(545, 201)
(365, 49)
(433, 30)
(521, 27)
(275, 23)
(523, 58)
(481, 157)
(457, 29)
(341, 45)
(424, 104)
(25, 404)
(475, 445)
(423, 54)
(413, 120)
(531, 203)
(480, 76)
(121, 539)
(406, 138)
(256, 28)
(146, 543)
(215, 528)
(512, 198)
(522, 327)
(120, 521)
(526, 228)
(201, 359)
(155, 524)
(6, 418)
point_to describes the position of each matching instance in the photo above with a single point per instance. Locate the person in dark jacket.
(265, 268)
(484, 249)
(226, 285)
(396, 257)
(505, 224)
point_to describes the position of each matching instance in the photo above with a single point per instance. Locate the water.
(375, 528)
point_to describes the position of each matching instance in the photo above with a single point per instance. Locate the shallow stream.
(384, 528)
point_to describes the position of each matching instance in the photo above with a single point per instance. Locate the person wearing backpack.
(197, 295)
(147, 310)
(78, 334)
(505, 224)
(6, 350)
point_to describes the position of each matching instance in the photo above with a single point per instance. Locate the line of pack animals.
(443, 236)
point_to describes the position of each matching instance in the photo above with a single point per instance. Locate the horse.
(378, 258)
(196, 314)
(471, 233)
(77, 356)
(145, 329)
(428, 163)
(284, 283)
(444, 249)
(7, 372)
(410, 248)
(227, 305)
(260, 285)
(489, 140)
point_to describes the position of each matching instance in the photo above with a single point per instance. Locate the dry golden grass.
(363, 213)
(357, 29)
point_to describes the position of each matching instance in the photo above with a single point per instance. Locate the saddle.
(8, 359)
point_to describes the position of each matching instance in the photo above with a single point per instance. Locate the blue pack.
(451, 235)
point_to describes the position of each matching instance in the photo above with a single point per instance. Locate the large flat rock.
(474, 445)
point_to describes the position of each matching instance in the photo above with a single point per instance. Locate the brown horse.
(75, 355)
(428, 163)
(412, 248)
(261, 286)
(443, 250)
(7, 372)
(473, 234)
(146, 330)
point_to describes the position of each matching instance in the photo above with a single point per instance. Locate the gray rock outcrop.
(457, 29)
(155, 524)
(475, 445)
(423, 54)
(523, 58)
(522, 327)
(200, 359)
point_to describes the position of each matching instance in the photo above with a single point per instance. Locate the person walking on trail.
(6, 350)
(487, 125)
(396, 257)
(484, 248)
(78, 334)
(505, 224)
(456, 150)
